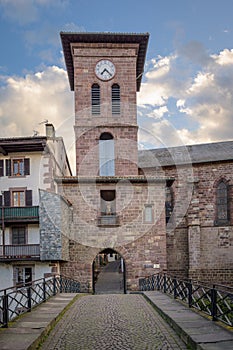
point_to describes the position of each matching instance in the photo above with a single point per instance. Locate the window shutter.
(8, 167)
(7, 199)
(26, 166)
(29, 198)
(0, 200)
(95, 99)
(116, 100)
(1, 167)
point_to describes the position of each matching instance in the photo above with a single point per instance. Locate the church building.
(163, 210)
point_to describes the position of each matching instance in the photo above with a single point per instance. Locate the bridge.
(156, 317)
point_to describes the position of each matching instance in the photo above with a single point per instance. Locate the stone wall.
(197, 247)
(142, 245)
(55, 218)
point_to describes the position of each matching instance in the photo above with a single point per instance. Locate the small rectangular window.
(18, 198)
(148, 214)
(18, 235)
(23, 275)
(18, 167)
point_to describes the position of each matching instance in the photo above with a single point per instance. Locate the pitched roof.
(202, 153)
(68, 38)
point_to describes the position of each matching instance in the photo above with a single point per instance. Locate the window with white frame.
(106, 155)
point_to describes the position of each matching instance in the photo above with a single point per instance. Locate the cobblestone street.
(112, 321)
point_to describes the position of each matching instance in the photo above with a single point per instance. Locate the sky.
(186, 96)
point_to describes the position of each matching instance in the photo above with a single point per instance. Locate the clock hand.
(105, 70)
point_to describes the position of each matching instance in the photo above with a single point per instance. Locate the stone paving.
(110, 280)
(112, 321)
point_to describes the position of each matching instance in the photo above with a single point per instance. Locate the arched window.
(108, 202)
(95, 99)
(168, 203)
(222, 205)
(106, 155)
(116, 100)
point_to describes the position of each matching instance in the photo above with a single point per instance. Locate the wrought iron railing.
(17, 213)
(215, 301)
(19, 251)
(15, 301)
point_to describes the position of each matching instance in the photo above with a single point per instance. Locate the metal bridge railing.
(215, 301)
(15, 301)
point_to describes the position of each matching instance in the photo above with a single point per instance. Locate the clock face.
(105, 70)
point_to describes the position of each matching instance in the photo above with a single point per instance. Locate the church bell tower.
(105, 72)
(114, 207)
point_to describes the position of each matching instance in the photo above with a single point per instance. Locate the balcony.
(108, 220)
(20, 214)
(20, 252)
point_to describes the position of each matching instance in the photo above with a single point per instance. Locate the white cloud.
(155, 91)
(25, 102)
(225, 57)
(195, 90)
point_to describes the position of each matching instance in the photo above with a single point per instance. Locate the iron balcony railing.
(108, 220)
(19, 251)
(215, 301)
(15, 301)
(10, 214)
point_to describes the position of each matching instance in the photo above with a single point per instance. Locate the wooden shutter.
(1, 167)
(29, 198)
(7, 198)
(8, 167)
(26, 166)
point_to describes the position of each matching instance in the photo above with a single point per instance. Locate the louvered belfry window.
(116, 100)
(95, 99)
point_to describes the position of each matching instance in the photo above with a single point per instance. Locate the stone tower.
(113, 206)
(105, 72)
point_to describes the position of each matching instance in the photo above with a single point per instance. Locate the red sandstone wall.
(140, 244)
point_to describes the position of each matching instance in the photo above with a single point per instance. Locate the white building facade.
(28, 166)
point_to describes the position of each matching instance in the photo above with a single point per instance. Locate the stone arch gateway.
(108, 272)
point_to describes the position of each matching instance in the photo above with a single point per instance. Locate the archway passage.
(109, 273)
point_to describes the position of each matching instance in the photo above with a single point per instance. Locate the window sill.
(222, 223)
